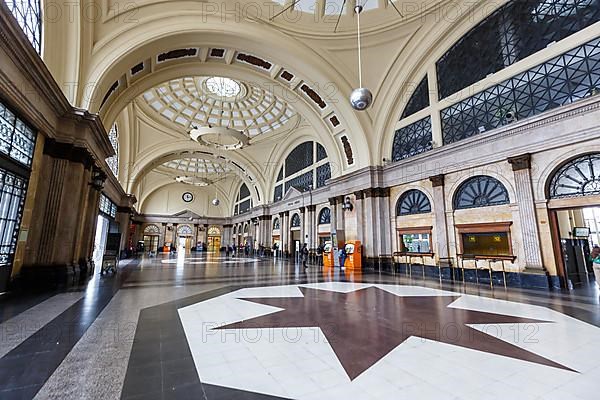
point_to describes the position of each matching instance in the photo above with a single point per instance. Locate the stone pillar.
(378, 234)
(284, 231)
(311, 226)
(226, 238)
(164, 237)
(333, 223)
(65, 214)
(303, 230)
(530, 236)
(440, 239)
(360, 220)
(340, 222)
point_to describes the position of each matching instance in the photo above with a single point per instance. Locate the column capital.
(520, 162)
(332, 201)
(311, 208)
(437, 180)
(302, 209)
(359, 195)
(339, 199)
(264, 218)
(224, 226)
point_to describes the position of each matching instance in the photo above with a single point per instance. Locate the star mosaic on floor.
(334, 340)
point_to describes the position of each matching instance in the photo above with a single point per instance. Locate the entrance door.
(151, 243)
(100, 239)
(214, 243)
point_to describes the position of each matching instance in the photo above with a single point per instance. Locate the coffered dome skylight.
(218, 101)
(196, 166)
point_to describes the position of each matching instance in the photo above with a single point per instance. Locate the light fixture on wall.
(347, 205)
(360, 98)
(98, 179)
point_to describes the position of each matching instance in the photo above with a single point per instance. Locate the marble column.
(530, 236)
(440, 239)
(227, 238)
(284, 231)
(333, 219)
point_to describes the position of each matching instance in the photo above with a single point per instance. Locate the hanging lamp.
(360, 98)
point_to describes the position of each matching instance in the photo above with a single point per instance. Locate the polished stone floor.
(197, 326)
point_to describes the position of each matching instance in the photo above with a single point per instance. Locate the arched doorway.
(151, 237)
(573, 193)
(214, 238)
(185, 236)
(295, 233)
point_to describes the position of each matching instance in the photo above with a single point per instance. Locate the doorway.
(100, 240)
(151, 243)
(576, 232)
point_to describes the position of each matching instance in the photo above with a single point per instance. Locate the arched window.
(184, 230)
(295, 221)
(28, 15)
(413, 202)
(246, 228)
(276, 224)
(113, 161)
(243, 201)
(151, 230)
(576, 178)
(306, 167)
(480, 191)
(234, 230)
(325, 216)
(214, 231)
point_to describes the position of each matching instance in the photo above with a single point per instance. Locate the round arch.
(452, 189)
(587, 175)
(144, 40)
(400, 196)
(500, 190)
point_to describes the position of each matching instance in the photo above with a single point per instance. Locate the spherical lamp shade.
(361, 99)
(216, 202)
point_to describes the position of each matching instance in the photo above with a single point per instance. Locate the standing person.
(343, 256)
(595, 259)
(320, 254)
(227, 251)
(304, 254)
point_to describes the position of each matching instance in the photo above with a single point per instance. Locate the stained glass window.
(413, 202)
(578, 177)
(413, 139)
(28, 15)
(513, 32)
(480, 191)
(113, 161)
(325, 216)
(12, 198)
(559, 81)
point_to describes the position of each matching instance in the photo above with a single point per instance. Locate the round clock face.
(187, 197)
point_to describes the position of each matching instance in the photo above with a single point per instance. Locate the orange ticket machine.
(328, 254)
(353, 254)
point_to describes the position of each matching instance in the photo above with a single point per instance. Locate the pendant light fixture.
(360, 98)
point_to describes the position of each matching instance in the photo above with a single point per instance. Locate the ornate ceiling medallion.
(219, 137)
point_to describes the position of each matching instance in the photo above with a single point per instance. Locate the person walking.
(343, 256)
(304, 255)
(595, 259)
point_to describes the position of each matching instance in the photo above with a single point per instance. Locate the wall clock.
(187, 197)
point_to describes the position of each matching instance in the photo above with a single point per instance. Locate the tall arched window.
(480, 191)
(243, 200)
(325, 216)
(113, 161)
(306, 167)
(295, 223)
(576, 178)
(29, 16)
(276, 224)
(413, 202)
